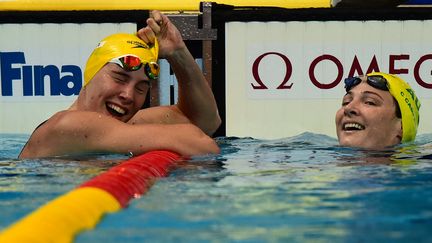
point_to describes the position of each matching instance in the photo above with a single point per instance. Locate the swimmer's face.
(367, 119)
(116, 92)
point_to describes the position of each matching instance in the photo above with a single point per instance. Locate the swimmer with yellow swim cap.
(108, 117)
(121, 58)
(379, 110)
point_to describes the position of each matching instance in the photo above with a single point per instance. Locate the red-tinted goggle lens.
(133, 63)
(130, 63)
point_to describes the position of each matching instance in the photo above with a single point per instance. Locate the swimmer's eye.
(143, 87)
(345, 102)
(119, 80)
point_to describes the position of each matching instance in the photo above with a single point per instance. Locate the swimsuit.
(30, 136)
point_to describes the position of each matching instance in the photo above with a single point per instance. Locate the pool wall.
(276, 70)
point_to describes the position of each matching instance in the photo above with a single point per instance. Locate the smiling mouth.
(353, 127)
(115, 110)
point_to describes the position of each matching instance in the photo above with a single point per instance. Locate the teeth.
(353, 126)
(117, 109)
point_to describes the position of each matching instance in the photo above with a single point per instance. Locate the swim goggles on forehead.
(133, 63)
(376, 81)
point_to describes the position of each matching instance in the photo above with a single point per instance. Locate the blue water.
(299, 189)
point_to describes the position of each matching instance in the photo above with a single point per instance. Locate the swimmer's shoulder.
(56, 135)
(61, 121)
(40, 139)
(74, 118)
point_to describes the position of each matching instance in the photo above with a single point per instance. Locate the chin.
(352, 143)
(369, 146)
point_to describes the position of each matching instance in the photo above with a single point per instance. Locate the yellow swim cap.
(117, 45)
(408, 102)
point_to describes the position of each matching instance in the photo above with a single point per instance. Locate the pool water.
(299, 189)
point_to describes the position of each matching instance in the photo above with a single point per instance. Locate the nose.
(127, 94)
(351, 109)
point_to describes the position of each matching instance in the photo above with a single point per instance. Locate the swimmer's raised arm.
(196, 102)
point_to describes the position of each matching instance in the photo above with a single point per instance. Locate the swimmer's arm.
(87, 132)
(196, 99)
(196, 103)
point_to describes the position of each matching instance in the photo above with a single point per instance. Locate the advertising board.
(41, 67)
(285, 78)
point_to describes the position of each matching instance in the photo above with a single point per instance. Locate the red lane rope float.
(81, 209)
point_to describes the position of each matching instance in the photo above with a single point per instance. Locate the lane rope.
(61, 219)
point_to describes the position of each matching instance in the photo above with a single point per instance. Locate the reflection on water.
(304, 188)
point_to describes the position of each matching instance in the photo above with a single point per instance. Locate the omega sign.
(353, 68)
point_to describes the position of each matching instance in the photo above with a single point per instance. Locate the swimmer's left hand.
(159, 26)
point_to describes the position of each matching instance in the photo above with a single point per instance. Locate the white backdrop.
(285, 78)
